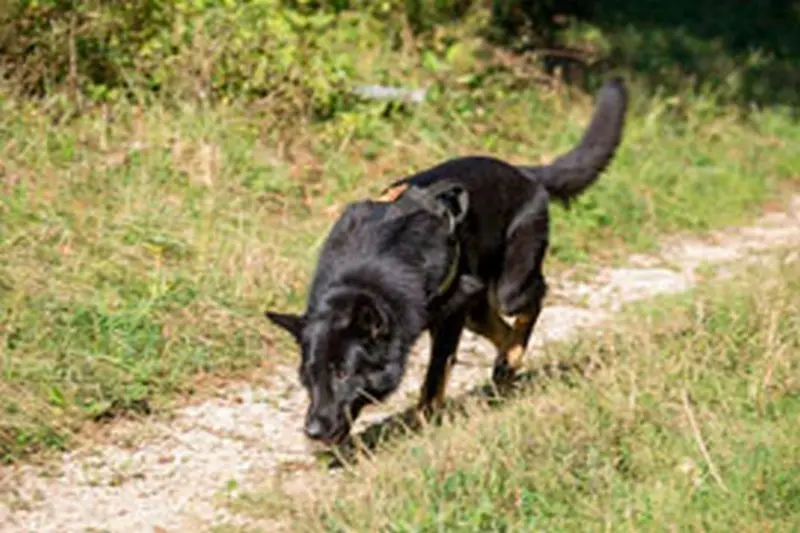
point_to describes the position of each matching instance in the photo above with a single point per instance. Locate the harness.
(443, 199)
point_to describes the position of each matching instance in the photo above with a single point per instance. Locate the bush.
(290, 52)
(202, 49)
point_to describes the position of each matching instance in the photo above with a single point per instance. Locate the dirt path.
(163, 475)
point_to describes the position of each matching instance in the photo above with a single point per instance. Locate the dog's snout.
(314, 428)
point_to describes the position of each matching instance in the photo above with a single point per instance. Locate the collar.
(443, 199)
(452, 271)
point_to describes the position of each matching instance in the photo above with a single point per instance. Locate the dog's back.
(501, 195)
(564, 179)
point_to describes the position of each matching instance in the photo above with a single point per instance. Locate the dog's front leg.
(445, 337)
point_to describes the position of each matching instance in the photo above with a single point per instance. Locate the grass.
(687, 420)
(140, 244)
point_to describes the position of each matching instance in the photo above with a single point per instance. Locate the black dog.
(455, 246)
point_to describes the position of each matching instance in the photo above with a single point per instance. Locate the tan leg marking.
(495, 329)
(515, 352)
(514, 356)
(510, 342)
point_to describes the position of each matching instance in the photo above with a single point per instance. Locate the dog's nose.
(314, 428)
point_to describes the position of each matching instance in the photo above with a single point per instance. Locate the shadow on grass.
(404, 423)
(743, 51)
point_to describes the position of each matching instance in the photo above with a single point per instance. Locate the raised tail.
(574, 172)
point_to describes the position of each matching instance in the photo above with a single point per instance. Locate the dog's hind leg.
(521, 288)
(444, 345)
(484, 320)
(509, 341)
(511, 359)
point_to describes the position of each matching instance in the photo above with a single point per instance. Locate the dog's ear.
(292, 323)
(368, 320)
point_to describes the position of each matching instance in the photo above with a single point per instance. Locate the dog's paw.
(503, 374)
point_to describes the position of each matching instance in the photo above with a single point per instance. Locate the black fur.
(375, 287)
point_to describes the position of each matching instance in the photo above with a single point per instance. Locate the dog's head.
(352, 353)
(354, 347)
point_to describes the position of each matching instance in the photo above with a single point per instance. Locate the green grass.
(139, 245)
(687, 421)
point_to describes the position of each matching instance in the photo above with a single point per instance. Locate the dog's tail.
(574, 172)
